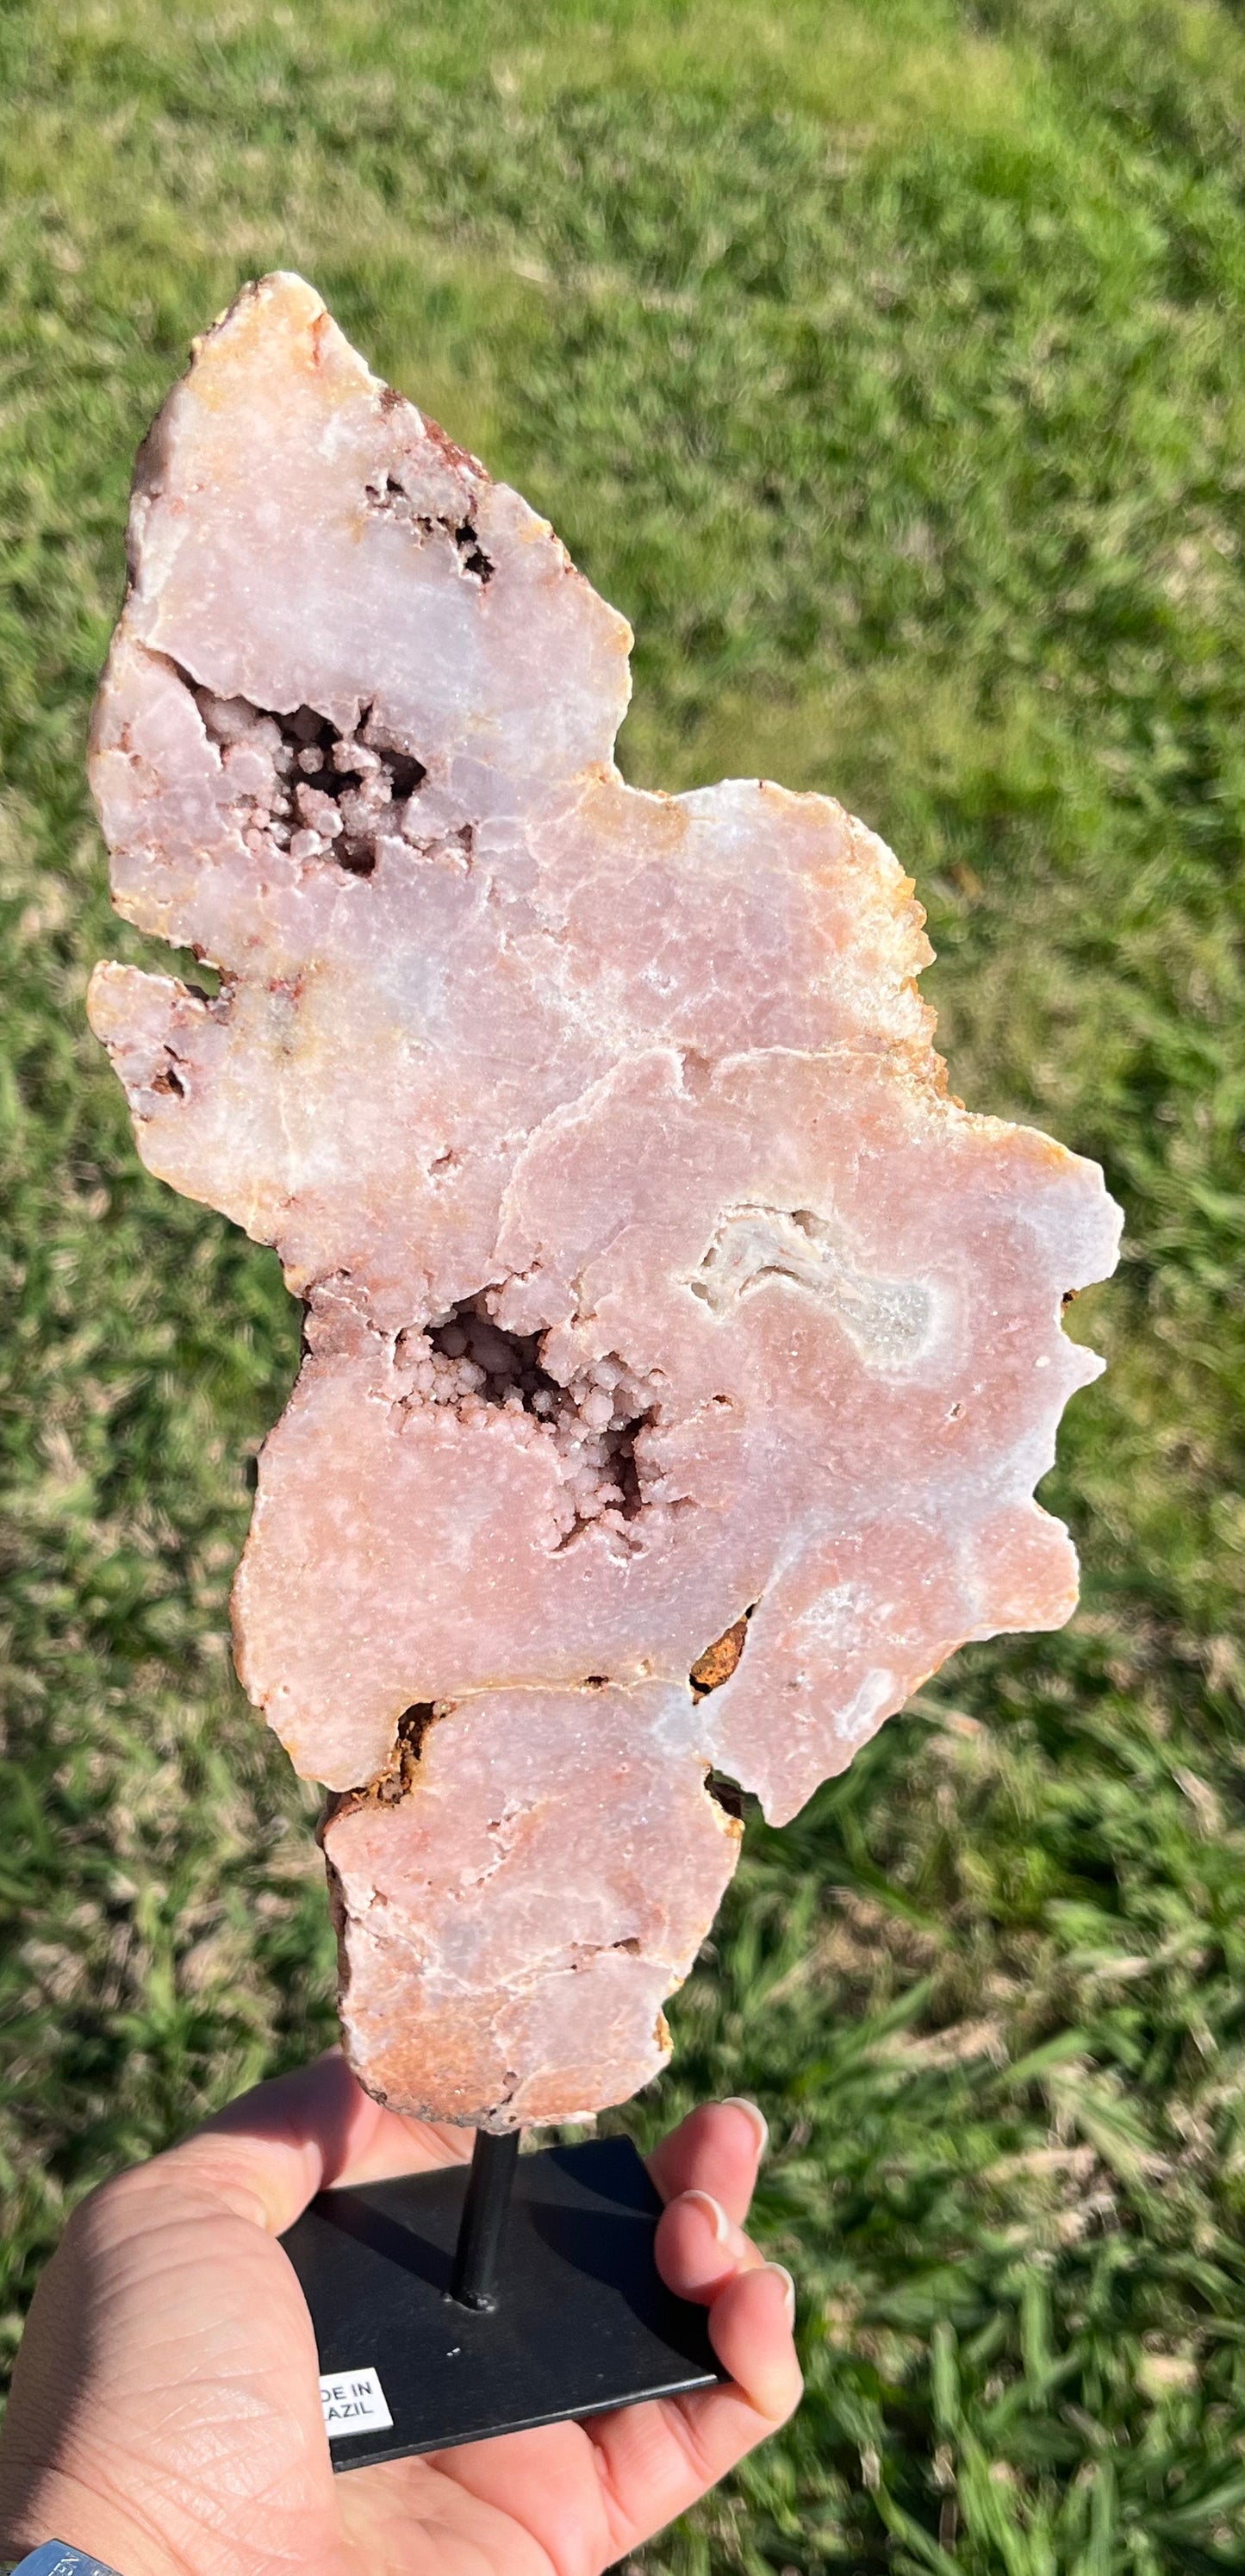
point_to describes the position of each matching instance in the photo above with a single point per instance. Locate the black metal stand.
(448, 2306)
(490, 2183)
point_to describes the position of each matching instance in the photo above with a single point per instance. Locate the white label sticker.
(353, 2402)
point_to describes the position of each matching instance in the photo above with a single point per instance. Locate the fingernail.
(714, 2212)
(788, 2287)
(740, 2102)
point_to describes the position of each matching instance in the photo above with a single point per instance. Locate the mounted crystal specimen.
(665, 1315)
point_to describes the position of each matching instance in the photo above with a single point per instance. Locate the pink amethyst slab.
(660, 1299)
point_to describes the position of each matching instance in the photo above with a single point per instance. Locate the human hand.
(166, 2414)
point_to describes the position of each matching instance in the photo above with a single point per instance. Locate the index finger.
(716, 2149)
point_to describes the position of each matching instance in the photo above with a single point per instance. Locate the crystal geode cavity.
(681, 1357)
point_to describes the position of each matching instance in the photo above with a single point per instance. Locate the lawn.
(884, 360)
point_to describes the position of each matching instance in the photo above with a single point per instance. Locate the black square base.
(582, 2323)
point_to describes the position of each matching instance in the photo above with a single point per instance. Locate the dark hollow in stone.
(312, 759)
(511, 1364)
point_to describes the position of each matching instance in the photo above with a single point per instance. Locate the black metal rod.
(477, 2255)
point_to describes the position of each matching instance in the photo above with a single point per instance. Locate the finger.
(699, 2247)
(751, 2328)
(716, 2149)
(271, 2151)
(655, 2460)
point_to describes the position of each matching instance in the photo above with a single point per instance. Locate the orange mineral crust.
(681, 1358)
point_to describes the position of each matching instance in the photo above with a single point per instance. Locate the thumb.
(272, 2150)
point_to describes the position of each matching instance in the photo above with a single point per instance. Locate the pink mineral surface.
(681, 1356)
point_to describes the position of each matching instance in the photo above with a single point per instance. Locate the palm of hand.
(166, 2409)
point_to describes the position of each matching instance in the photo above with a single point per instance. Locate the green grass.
(886, 363)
